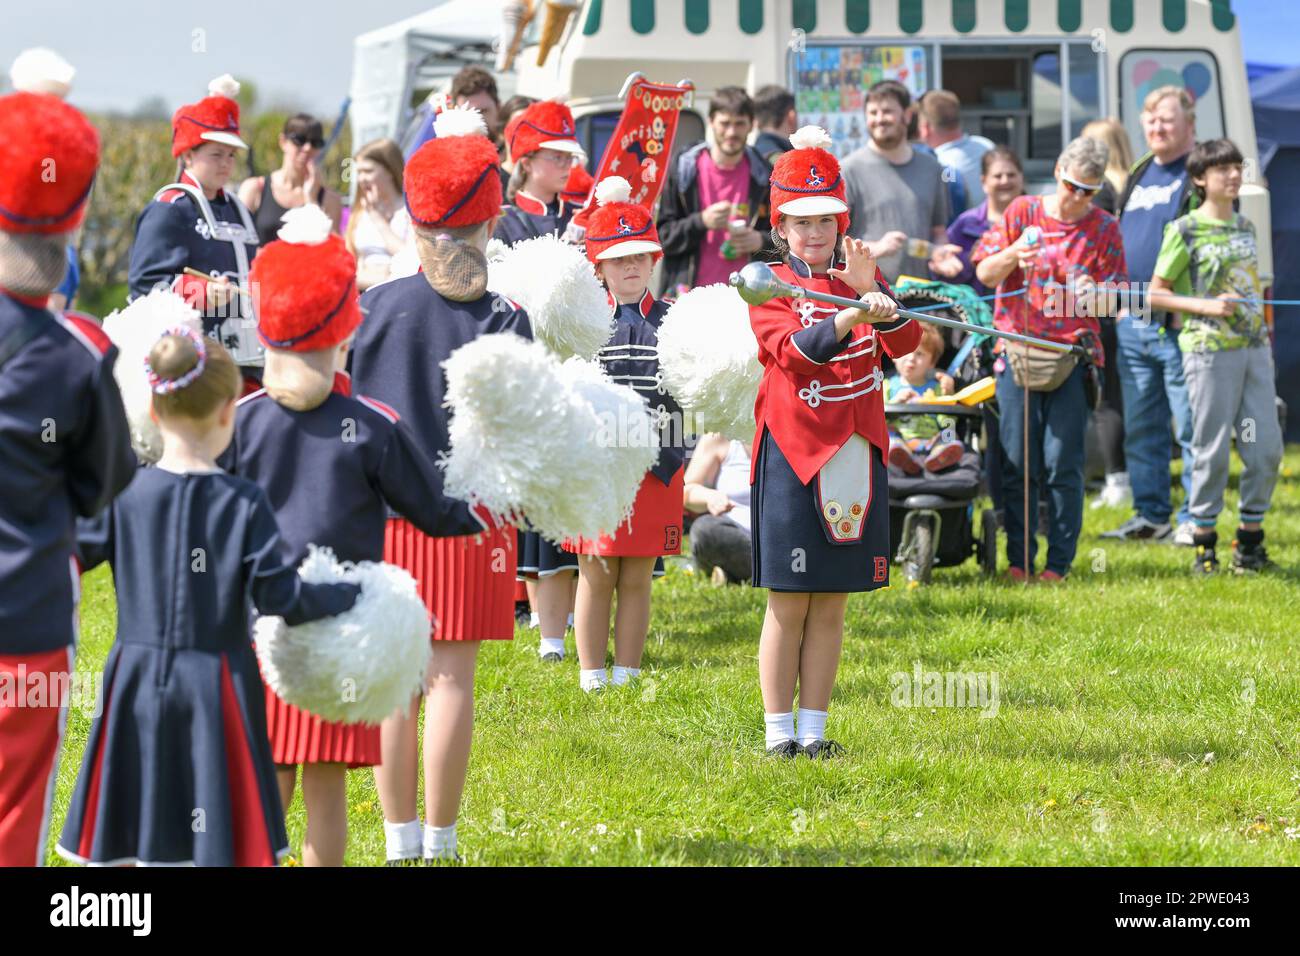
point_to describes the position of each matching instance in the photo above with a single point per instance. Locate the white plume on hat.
(361, 666)
(224, 85)
(613, 189)
(558, 443)
(135, 330)
(305, 225)
(708, 357)
(459, 121)
(41, 70)
(810, 137)
(556, 285)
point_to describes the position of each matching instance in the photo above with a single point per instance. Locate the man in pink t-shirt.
(724, 195)
(713, 200)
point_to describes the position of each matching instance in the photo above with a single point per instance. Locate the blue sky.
(127, 51)
(1269, 30)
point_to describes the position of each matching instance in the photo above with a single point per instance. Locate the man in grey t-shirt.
(895, 192)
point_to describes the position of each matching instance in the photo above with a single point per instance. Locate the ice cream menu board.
(831, 85)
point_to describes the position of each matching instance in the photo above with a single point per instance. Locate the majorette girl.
(544, 148)
(820, 504)
(197, 223)
(64, 444)
(453, 192)
(177, 769)
(623, 245)
(329, 462)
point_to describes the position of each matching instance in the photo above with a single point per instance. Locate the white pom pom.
(224, 85)
(560, 443)
(613, 189)
(459, 121)
(566, 304)
(135, 330)
(305, 225)
(40, 70)
(496, 248)
(361, 666)
(709, 360)
(810, 137)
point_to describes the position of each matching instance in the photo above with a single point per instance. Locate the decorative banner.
(642, 142)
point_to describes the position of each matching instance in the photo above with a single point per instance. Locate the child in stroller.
(921, 441)
(932, 509)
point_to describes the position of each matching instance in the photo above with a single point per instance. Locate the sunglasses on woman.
(299, 140)
(1078, 188)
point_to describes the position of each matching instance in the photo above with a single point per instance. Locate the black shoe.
(788, 749)
(456, 860)
(405, 861)
(552, 658)
(823, 750)
(1206, 563)
(1138, 528)
(1250, 560)
(523, 613)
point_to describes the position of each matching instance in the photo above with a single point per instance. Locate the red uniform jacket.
(817, 390)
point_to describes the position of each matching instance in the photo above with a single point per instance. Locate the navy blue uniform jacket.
(65, 451)
(329, 471)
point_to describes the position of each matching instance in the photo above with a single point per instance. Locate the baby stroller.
(932, 515)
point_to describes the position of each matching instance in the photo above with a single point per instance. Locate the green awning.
(804, 14)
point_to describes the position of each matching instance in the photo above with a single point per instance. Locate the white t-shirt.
(372, 252)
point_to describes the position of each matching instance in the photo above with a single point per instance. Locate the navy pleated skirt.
(539, 558)
(177, 769)
(792, 548)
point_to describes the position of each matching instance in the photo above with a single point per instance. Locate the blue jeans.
(1150, 368)
(1057, 422)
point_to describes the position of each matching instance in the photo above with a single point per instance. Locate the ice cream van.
(1030, 73)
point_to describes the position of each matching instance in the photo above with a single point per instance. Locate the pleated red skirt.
(654, 530)
(467, 582)
(299, 736)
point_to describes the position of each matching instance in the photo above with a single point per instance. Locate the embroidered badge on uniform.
(672, 538)
(881, 569)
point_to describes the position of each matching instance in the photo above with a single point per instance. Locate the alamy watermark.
(922, 688)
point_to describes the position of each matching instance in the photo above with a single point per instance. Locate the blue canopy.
(1275, 98)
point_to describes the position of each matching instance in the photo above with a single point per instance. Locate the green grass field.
(1144, 717)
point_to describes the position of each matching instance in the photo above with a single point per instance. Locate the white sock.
(402, 840)
(780, 728)
(812, 726)
(624, 675)
(551, 645)
(570, 619)
(593, 679)
(439, 842)
(534, 619)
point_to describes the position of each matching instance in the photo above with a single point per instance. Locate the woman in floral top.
(1058, 248)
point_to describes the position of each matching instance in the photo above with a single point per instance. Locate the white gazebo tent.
(391, 64)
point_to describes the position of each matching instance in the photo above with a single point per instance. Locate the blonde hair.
(1160, 93)
(174, 356)
(1111, 132)
(931, 342)
(387, 154)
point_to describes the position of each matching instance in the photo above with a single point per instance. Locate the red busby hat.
(544, 125)
(213, 119)
(578, 187)
(618, 227)
(453, 180)
(806, 181)
(306, 285)
(48, 156)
